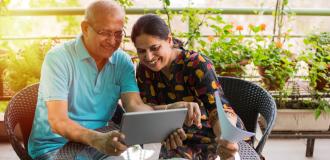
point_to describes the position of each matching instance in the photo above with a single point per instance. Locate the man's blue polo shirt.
(69, 73)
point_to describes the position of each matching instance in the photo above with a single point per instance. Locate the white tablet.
(151, 126)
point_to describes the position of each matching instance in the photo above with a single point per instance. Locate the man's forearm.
(61, 124)
(74, 132)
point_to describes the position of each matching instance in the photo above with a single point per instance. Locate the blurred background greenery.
(24, 40)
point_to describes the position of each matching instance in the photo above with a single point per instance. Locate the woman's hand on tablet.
(193, 114)
(175, 139)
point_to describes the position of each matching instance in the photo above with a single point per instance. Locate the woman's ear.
(170, 39)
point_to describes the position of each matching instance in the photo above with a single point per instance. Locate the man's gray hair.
(103, 7)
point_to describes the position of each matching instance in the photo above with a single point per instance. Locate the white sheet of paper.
(149, 152)
(236, 157)
(229, 132)
(155, 147)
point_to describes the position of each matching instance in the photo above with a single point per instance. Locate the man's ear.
(84, 27)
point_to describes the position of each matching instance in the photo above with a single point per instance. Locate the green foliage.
(4, 51)
(25, 59)
(167, 2)
(169, 13)
(196, 18)
(227, 50)
(323, 106)
(24, 67)
(317, 56)
(3, 106)
(224, 49)
(125, 3)
(3, 6)
(276, 65)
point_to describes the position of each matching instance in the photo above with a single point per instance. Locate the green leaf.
(167, 2)
(317, 113)
(327, 109)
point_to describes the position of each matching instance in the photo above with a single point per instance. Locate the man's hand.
(226, 150)
(110, 143)
(193, 115)
(175, 139)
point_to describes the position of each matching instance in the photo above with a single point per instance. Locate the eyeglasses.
(107, 34)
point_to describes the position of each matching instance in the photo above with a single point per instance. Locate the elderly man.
(81, 82)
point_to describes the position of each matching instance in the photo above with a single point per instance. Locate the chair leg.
(310, 147)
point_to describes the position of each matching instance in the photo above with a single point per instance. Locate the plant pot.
(300, 120)
(232, 70)
(322, 83)
(296, 104)
(270, 84)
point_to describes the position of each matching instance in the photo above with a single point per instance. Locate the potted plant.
(275, 64)
(227, 50)
(317, 56)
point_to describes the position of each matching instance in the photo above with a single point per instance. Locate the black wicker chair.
(249, 100)
(19, 117)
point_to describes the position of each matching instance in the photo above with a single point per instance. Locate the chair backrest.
(19, 115)
(249, 100)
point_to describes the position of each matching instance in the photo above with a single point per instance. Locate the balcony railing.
(235, 11)
(134, 11)
(137, 11)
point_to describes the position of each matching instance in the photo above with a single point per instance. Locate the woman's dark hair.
(153, 25)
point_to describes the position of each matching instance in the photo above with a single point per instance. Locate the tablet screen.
(151, 126)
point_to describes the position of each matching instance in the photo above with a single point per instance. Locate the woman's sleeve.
(205, 83)
(145, 84)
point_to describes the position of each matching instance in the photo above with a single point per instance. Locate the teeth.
(153, 62)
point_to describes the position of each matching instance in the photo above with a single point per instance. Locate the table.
(69, 150)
